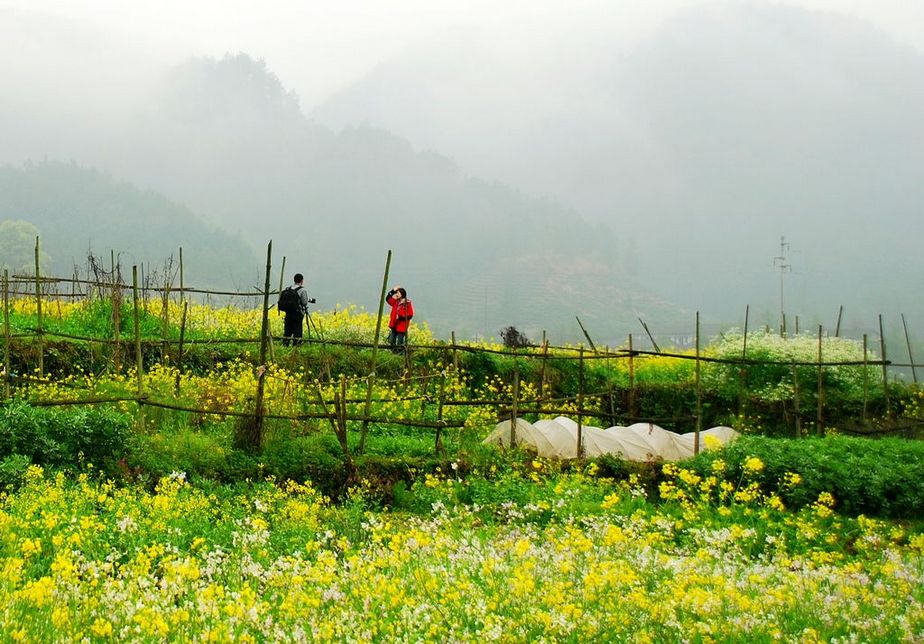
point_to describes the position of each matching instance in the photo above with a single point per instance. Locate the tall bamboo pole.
(545, 359)
(580, 414)
(439, 412)
(586, 335)
(254, 440)
(699, 394)
(282, 273)
(885, 372)
(138, 358)
(914, 373)
(795, 398)
(632, 413)
(375, 348)
(821, 388)
(743, 371)
(837, 329)
(865, 375)
(39, 325)
(6, 334)
(179, 357)
(182, 294)
(455, 354)
(514, 401)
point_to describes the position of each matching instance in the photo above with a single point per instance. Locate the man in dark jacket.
(292, 325)
(402, 310)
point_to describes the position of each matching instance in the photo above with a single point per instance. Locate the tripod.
(310, 325)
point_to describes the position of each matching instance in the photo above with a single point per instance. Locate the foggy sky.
(642, 115)
(318, 48)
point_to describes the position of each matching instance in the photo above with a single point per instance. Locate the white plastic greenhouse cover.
(639, 442)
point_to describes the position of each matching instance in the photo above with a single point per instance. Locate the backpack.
(289, 301)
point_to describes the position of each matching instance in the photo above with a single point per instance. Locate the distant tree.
(17, 246)
(512, 337)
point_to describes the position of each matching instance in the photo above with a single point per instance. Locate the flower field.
(126, 521)
(83, 559)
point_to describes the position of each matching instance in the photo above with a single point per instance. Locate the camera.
(311, 300)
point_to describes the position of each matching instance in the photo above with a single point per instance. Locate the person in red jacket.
(402, 310)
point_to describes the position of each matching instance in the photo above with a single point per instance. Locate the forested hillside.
(227, 139)
(78, 211)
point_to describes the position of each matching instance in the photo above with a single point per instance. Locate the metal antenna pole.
(785, 267)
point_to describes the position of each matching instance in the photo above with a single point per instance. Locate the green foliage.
(62, 437)
(12, 470)
(883, 478)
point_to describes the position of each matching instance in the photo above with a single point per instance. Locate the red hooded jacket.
(401, 313)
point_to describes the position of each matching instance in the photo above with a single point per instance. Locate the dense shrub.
(883, 478)
(64, 436)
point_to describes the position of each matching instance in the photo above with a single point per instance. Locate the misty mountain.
(228, 141)
(79, 211)
(731, 125)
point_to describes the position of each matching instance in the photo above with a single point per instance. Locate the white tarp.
(557, 438)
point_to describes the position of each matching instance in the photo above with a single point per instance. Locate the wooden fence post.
(795, 398)
(865, 375)
(580, 414)
(455, 354)
(439, 413)
(542, 370)
(251, 438)
(837, 329)
(914, 373)
(885, 372)
(821, 388)
(115, 298)
(375, 347)
(138, 357)
(6, 334)
(632, 411)
(182, 293)
(514, 401)
(39, 325)
(179, 357)
(743, 371)
(699, 394)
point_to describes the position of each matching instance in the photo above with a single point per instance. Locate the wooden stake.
(513, 403)
(138, 358)
(885, 372)
(282, 273)
(182, 293)
(545, 359)
(586, 335)
(254, 441)
(179, 357)
(439, 412)
(865, 375)
(795, 398)
(821, 388)
(650, 337)
(375, 346)
(632, 413)
(837, 329)
(914, 373)
(743, 371)
(6, 334)
(39, 325)
(455, 354)
(580, 414)
(699, 394)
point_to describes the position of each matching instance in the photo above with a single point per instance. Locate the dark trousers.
(397, 340)
(292, 329)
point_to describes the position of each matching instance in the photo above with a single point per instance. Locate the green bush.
(61, 436)
(12, 470)
(882, 478)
